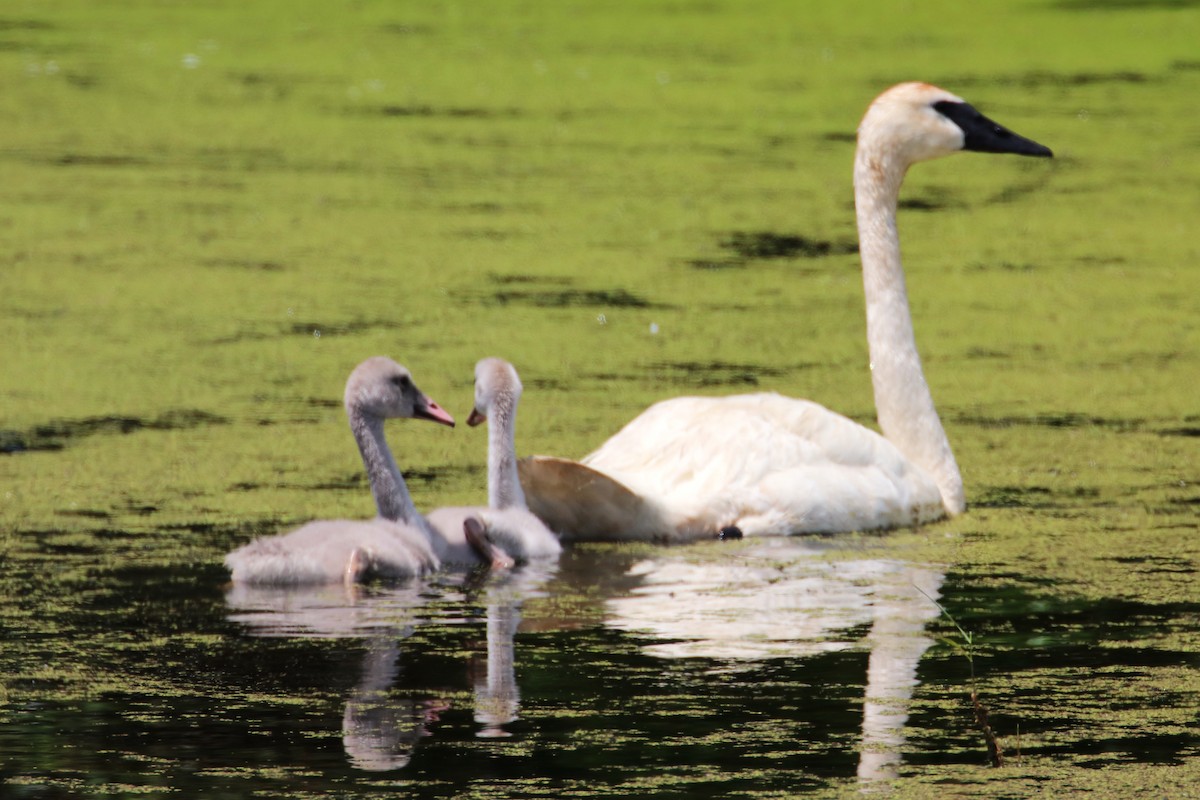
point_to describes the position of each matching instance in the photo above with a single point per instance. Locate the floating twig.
(995, 751)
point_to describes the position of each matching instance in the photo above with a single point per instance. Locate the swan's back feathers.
(767, 464)
(320, 552)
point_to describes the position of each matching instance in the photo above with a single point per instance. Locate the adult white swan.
(397, 543)
(505, 531)
(762, 463)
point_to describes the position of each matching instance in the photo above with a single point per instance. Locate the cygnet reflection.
(494, 678)
(333, 611)
(380, 729)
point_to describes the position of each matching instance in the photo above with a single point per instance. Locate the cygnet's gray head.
(497, 389)
(379, 387)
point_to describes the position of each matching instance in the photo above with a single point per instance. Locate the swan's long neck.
(504, 487)
(902, 399)
(387, 484)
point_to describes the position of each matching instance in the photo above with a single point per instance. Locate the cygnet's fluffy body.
(397, 543)
(505, 531)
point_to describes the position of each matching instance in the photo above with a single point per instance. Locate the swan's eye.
(959, 112)
(402, 382)
(970, 119)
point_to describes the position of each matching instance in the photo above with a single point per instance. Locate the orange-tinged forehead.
(917, 93)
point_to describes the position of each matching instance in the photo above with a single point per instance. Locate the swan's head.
(915, 122)
(497, 389)
(380, 387)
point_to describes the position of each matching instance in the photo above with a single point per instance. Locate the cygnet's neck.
(504, 486)
(902, 399)
(387, 484)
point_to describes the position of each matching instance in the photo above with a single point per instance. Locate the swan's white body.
(764, 463)
(397, 543)
(505, 531)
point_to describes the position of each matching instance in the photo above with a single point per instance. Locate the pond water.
(730, 668)
(753, 668)
(209, 213)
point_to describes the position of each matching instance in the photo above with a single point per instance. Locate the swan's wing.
(582, 504)
(714, 444)
(685, 435)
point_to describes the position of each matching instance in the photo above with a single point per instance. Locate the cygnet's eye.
(402, 382)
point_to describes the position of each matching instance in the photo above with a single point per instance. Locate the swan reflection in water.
(380, 730)
(736, 602)
(780, 597)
